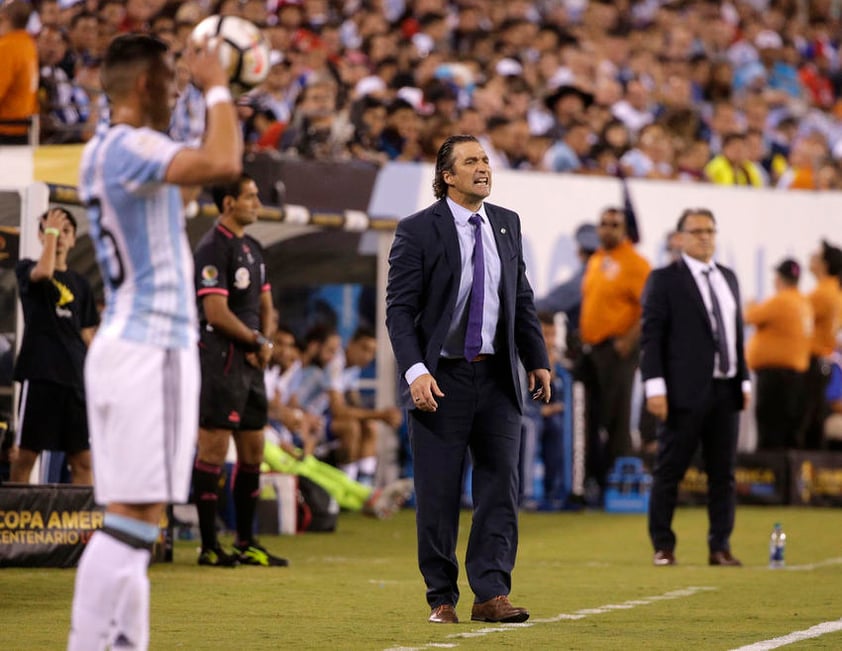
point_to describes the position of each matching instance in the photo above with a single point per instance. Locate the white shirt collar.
(697, 267)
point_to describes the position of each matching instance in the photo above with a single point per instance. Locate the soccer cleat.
(253, 554)
(217, 557)
(385, 502)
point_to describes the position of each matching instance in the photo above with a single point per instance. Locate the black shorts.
(233, 391)
(52, 417)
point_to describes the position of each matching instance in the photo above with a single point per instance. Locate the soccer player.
(60, 317)
(237, 319)
(142, 371)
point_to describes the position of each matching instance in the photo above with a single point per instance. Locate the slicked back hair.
(444, 162)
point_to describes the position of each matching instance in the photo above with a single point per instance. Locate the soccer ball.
(243, 50)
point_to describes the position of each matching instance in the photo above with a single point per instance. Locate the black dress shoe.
(723, 557)
(498, 609)
(443, 614)
(663, 557)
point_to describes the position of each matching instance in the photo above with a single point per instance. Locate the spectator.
(610, 329)
(779, 354)
(691, 160)
(18, 74)
(571, 153)
(567, 105)
(826, 266)
(651, 158)
(59, 323)
(319, 130)
(65, 107)
(732, 166)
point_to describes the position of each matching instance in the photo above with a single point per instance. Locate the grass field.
(359, 589)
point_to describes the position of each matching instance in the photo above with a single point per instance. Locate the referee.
(235, 316)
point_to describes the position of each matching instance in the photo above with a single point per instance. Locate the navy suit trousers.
(478, 414)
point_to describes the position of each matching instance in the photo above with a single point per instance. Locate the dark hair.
(546, 317)
(363, 332)
(17, 12)
(232, 189)
(832, 258)
(67, 214)
(129, 50)
(702, 212)
(445, 160)
(319, 333)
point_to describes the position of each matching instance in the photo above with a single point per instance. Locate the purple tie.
(473, 333)
(719, 335)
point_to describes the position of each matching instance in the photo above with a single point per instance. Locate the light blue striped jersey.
(137, 226)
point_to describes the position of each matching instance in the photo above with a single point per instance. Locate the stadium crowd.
(745, 92)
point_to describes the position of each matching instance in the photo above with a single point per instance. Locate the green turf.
(359, 589)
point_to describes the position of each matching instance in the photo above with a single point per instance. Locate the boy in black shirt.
(59, 321)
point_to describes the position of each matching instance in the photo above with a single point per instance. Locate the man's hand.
(424, 392)
(657, 406)
(539, 384)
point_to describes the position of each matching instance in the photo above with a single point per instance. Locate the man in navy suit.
(696, 382)
(460, 313)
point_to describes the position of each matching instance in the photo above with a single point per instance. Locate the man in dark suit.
(696, 382)
(457, 342)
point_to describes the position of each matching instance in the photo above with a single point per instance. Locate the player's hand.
(392, 416)
(424, 392)
(540, 387)
(205, 67)
(657, 406)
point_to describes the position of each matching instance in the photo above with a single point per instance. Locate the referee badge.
(210, 276)
(242, 278)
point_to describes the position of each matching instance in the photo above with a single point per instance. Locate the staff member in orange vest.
(779, 353)
(18, 73)
(610, 329)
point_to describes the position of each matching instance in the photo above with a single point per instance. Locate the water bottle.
(777, 542)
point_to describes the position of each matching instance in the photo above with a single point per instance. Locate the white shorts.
(143, 411)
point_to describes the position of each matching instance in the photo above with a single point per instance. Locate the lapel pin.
(503, 231)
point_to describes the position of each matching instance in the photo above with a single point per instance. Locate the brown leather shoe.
(443, 614)
(663, 557)
(498, 609)
(723, 558)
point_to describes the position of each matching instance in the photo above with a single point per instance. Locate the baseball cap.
(789, 269)
(767, 39)
(587, 238)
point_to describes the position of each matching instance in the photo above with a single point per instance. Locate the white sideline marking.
(579, 614)
(814, 631)
(813, 566)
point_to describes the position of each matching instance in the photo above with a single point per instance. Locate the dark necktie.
(473, 333)
(719, 336)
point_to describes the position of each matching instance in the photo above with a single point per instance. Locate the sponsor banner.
(815, 478)
(48, 525)
(761, 478)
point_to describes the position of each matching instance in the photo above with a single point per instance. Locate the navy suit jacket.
(677, 341)
(424, 271)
